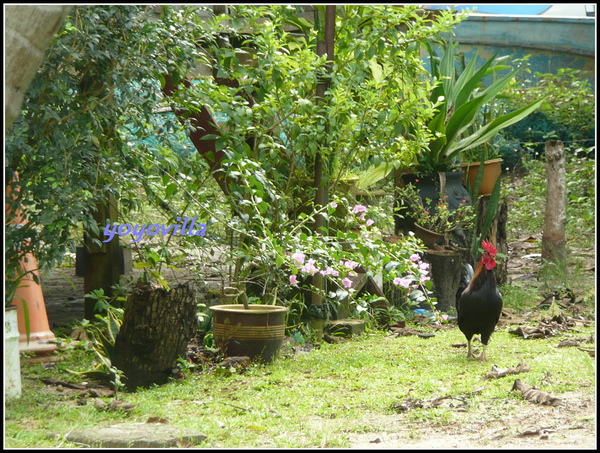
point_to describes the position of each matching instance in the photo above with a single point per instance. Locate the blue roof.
(507, 9)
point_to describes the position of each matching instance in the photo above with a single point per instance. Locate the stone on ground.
(137, 435)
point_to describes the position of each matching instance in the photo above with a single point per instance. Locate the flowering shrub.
(438, 218)
(338, 259)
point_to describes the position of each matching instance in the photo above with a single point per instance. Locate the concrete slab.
(137, 435)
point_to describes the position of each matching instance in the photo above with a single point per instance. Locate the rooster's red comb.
(488, 247)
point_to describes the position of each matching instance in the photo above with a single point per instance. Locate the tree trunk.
(29, 30)
(102, 269)
(553, 238)
(324, 46)
(157, 326)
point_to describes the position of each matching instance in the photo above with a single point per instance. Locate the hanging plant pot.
(256, 332)
(428, 237)
(492, 169)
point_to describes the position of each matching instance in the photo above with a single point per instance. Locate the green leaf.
(490, 213)
(489, 130)
(376, 70)
(170, 190)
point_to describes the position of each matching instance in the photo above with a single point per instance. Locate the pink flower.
(299, 258)
(401, 281)
(350, 264)
(362, 217)
(347, 282)
(293, 280)
(359, 208)
(370, 222)
(330, 271)
(423, 266)
(414, 257)
(333, 204)
(310, 267)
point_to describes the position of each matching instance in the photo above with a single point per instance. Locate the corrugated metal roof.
(558, 10)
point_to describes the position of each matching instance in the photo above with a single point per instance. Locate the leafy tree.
(68, 145)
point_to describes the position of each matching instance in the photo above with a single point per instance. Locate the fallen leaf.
(534, 395)
(164, 421)
(591, 352)
(496, 372)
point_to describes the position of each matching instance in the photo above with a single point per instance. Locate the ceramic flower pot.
(37, 340)
(492, 169)
(428, 237)
(256, 332)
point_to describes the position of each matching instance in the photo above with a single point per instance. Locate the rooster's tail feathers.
(468, 273)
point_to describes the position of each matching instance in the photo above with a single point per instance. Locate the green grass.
(314, 400)
(318, 399)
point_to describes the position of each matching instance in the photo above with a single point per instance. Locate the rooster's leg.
(482, 357)
(469, 351)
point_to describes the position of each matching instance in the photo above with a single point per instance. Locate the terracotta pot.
(31, 292)
(492, 169)
(256, 332)
(428, 237)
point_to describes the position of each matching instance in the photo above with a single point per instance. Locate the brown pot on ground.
(256, 332)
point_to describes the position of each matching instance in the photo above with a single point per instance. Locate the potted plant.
(485, 157)
(433, 222)
(458, 97)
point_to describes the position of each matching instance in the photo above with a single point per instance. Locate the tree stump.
(446, 270)
(157, 326)
(555, 221)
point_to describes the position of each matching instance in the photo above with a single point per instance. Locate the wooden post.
(324, 46)
(553, 238)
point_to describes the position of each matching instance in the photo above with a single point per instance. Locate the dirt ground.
(571, 425)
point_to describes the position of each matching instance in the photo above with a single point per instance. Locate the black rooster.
(480, 304)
